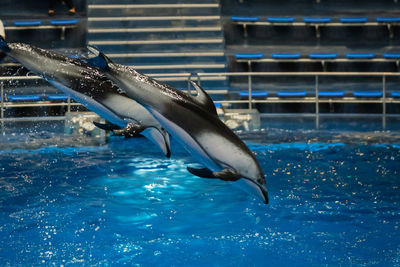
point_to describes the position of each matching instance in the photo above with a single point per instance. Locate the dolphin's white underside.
(91, 104)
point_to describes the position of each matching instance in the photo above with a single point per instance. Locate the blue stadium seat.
(254, 94)
(240, 18)
(280, 19)
(395, 94)
(16, 98)
(391, 55)
(388, 19)
(61, 22)
(57, 97)
(331, 93)
(323, 55)
(354, 20)
(367, 94)
(317, 20)
(360, 55)
(249, 56)
(28, 23)
(285, 55)
(217, 105)
(291, 93)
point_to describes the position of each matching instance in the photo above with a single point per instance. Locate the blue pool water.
(332, 202)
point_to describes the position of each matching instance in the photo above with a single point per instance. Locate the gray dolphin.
(194, 123)
(88, 86)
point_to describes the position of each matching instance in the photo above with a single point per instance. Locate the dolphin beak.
(254, 188)
(262, 192)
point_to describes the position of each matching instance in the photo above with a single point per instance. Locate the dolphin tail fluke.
(225, 174)
(3, 45)
(100, 60)
(160, 138)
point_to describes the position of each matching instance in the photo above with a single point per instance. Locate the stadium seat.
(331, 93)
(360, 55)
(367, 94)
(16, 98)
(388, 19)
(253, 94)
(217, 105)
(28, 23)
(281, 19)
(395, 94)
(317, 20)
(291, 93)
(57, 97)
(323, 55)
(285, 55)
(61, 22)
(391, 55)
(239, 18)
(353, 20)
(249, 56)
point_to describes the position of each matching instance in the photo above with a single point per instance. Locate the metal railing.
(69, 103)
(317, 25)
(43, 27)
(315, 99)
(250, 101)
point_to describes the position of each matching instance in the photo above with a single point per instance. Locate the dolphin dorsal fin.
(100, 60)
(160, 138)
(203, 99)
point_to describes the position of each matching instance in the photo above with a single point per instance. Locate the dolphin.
(91, 88)
(194, 124)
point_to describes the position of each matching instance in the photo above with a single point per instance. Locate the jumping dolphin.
(194, 123)
(93, 90)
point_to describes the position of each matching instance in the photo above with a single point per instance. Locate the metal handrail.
(250, 101)
(299, 74)
(3, 104)
(318, 25)
(45, 27)
(383, 100)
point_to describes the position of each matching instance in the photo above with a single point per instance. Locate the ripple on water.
(331, 204)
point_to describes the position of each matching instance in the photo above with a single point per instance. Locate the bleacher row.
(319, 56)
(41, 99)
(316, 19)
(326, 94)
(322, 58)
(316, 22)
(22, 98)
(62, 24)
(38, 23)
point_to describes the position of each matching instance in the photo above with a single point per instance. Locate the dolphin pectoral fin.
(131, 130)
(106, 126)
(225, 174)
(203, 99)
(203, 173)
(100, 60)
(160, 138)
